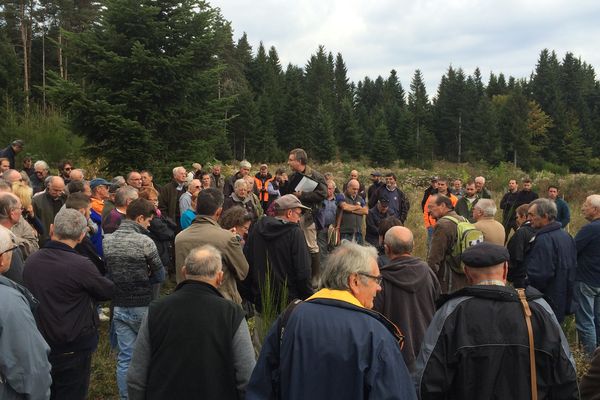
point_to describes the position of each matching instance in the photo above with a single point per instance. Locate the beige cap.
(288, 201)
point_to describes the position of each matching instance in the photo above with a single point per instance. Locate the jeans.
(127, 321)
(429, 237)
(587, 316)
(70, 375)
(353, 237)
(322, 242)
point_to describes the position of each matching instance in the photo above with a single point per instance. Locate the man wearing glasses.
(277, 243)
(38, 178)
(65, 168)
(332, 345)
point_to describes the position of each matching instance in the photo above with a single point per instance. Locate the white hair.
(177, 169)
(487, 207)
(41, 163)
(349, 258)
(594, 200)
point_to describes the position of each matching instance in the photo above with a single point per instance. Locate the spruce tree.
(151, 84)
(323, 144)
(382, 152)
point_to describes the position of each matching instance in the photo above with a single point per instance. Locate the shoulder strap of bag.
(527, 312)
(338, 218)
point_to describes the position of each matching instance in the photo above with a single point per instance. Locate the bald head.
(56, 186)
(398, 241)
(76, 175)
(352, 187)
(11, 176)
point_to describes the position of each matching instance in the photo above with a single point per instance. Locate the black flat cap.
(484, 255)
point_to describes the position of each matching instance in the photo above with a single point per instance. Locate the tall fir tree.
(151, 84)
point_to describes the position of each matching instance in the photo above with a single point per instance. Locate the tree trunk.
(60, 58)
(26, 42)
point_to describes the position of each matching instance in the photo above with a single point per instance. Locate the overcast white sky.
(376, 36)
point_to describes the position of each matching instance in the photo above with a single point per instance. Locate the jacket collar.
(129, 225)
(341, 295)
(198, 285)
(552, 226)
(203, 219)
(33, 303)
(54, 244)
(490, 292)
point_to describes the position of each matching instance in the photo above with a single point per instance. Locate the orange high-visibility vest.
(258, 183)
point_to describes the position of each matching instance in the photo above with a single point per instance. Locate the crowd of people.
(362, 316)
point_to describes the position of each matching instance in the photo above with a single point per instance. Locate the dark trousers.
(70, 375)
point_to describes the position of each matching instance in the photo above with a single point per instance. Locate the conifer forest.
(151, 83)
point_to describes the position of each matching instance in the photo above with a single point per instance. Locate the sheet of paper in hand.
(306, 185)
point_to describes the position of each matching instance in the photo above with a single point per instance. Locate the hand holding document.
(306, 185)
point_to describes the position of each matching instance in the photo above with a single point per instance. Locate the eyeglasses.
(377, 279)
(8, 250)
(68, 168)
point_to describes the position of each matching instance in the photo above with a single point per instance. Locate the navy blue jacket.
(332, 349)
(551, 263)
(587, 241)
(67, 285)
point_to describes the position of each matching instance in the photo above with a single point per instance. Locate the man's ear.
(184, 272)
(353, 283)
(219, 278)
(51, 230)
(386, 249)
(218, 213)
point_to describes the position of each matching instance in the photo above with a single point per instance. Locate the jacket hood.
(271, 227)
(33, 303)
(406, 272)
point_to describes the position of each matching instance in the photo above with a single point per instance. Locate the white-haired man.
(482, 191)
(40, 172)
(217, 363)
(357, 356)
(493, 231)
(168, 201)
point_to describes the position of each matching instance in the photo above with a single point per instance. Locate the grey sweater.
(133, 264)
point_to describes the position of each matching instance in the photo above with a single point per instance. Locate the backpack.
(467, 235)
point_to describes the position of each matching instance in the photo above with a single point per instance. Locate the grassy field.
(413, 182)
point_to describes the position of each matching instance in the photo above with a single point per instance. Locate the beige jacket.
(492, 230)
(205, 230)
(26, 237)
